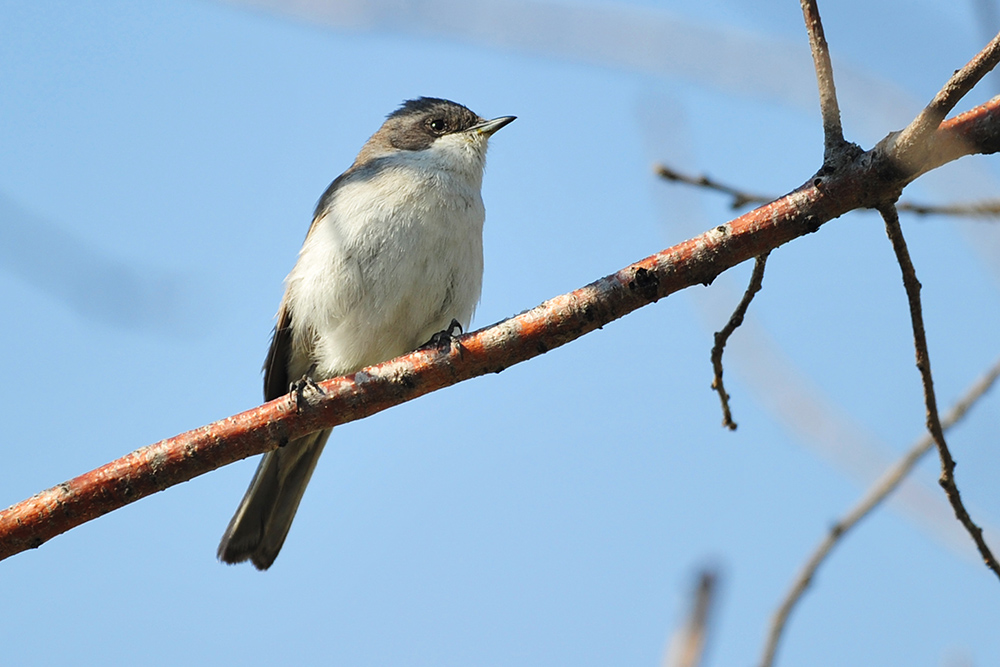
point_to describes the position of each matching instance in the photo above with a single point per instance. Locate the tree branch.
(910, 144)
(740, 197)
(833, 133)
(862, 183)
(947, 481)
(878, 493)
(722, 337)
(986, 208)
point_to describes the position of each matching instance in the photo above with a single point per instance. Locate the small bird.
(394, 256)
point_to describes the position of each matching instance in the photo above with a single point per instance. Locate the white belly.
(392, 260)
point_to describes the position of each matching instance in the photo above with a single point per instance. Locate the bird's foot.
(447, 337)
(305, 385)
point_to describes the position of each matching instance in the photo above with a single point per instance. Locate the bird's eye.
(437, 125)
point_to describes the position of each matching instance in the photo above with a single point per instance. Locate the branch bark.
(867, 181)
(833, 133)
(911, 143)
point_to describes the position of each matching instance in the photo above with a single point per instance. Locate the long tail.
(260, 525)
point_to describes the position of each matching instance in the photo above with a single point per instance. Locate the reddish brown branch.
(833, 133)
(911, 144)
(947, 481)
(722, 337)
(865, 182)
(882, 488)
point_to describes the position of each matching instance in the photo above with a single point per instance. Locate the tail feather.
(260, 525)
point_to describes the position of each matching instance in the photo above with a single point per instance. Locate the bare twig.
(986, 17)
(909, 146)
(740, 197)
(722, 337)
(878, 492)
(987, 208)
(687, 649)
(947, 481)
(863, 183)
(833, 133)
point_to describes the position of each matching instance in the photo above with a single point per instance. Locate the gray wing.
(278, 355)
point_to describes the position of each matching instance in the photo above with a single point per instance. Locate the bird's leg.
(447, 337)
(302, 385)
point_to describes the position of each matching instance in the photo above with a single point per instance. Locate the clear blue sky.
(159, 162)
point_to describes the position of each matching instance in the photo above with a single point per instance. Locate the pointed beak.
(488, 127)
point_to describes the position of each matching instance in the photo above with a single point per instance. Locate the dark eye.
(437, 125)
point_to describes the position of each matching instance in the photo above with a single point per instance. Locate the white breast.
(395, 256)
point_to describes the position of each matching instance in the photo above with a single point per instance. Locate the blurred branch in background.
(688, 646)
(618, 36)
(881, 490)
(114, 292)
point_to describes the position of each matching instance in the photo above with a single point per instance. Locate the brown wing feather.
(276, 364)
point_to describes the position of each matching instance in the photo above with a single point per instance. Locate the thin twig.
(833, 133)
(722, 337)
(947, 480)
(740, 197)
(986, 16)
(884, 486)
(987, 208)
(688, 647)
(910, 144)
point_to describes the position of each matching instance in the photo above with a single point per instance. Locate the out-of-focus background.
(159, 162)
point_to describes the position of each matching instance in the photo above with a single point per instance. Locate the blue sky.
(159, 162)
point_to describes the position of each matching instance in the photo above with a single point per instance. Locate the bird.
(393, 257)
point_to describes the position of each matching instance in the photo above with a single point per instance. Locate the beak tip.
(490, 126)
